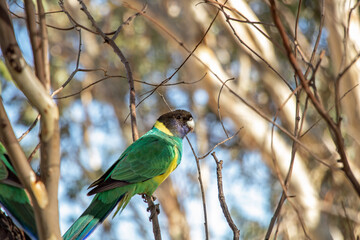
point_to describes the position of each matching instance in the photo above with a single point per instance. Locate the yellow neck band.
(161, 127)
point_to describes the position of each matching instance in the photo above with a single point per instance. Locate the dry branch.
(202, 190)
(222, 200)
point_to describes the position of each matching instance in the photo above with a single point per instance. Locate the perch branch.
(221, 196)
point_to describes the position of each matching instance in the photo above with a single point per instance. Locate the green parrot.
(13, 197)
(141, 168)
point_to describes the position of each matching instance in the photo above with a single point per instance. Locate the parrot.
(140, 169)
(13, 197)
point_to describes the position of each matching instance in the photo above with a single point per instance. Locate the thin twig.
(153, 208)
(167, 84)
(285, 184)
(220, 143)
(346, 34)
(254, 24)
(251, 22)
(348, 223)
(48, 25)
(341, 74)
(226, 16)
(30, 128)
(317, 42)
(86, 87)
(127, 22)
(261, 114)
(218, 106)
(222, 200)
(31, 156)
(331, 108)
(202, 190)
(77, 63)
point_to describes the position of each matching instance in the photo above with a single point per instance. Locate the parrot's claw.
(144, 196)
(153, 213)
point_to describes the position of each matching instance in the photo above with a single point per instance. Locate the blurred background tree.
(226, 63)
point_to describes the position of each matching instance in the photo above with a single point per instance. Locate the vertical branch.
(43, 192)
(222, 201)
(202, 190)
(285, 185)
(348, 223)
(44, 45)
(153, 208)
(135, 133)
(35, 40)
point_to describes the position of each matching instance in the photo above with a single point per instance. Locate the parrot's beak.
(191, 124)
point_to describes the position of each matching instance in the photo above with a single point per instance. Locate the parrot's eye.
(178, 117)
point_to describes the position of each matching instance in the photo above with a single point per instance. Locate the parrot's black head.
(177, 123)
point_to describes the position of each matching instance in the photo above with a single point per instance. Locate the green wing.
(148, 157)
(145, 159)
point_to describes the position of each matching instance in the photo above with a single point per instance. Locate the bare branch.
(44, 45)
(348, 223)
(202, 190)
(218, 144)
(154, 211)
(35, 40)
(127, 22)
(226, 16)
(218, 108)
(222, 200)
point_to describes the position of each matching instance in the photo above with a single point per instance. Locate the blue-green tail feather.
(95, 214)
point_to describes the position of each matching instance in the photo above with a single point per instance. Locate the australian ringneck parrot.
(141, 168)
(13, 197)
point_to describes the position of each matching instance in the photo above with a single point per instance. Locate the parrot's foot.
(145, 197)
(154, 209)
